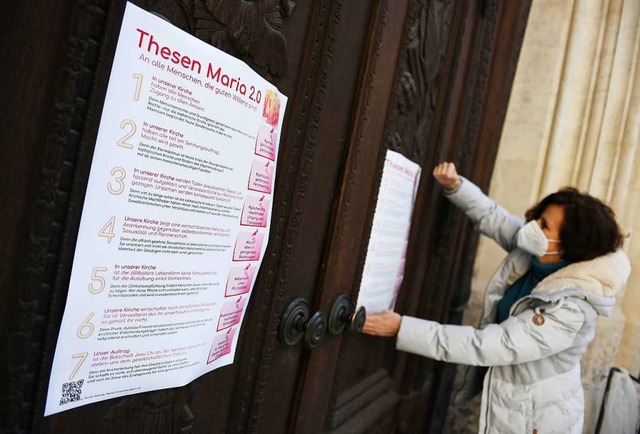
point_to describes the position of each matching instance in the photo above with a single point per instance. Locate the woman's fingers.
(385, 323)
(446, 174)
(440, 169)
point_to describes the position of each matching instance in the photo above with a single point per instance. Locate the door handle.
(295, 324)
(343, 313)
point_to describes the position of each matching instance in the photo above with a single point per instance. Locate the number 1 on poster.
(136, 94)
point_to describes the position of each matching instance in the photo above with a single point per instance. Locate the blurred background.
(574, 120)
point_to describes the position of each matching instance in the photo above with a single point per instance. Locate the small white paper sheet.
(386, 254)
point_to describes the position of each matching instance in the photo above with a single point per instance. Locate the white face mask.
(531, 239)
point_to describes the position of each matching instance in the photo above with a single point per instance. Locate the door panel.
(351, 386)
(366, 373)
(322, 139)
(427, 78)
(450, 60)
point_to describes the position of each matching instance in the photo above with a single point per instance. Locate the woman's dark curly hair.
(589, 229)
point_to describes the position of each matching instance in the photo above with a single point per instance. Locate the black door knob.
(296, 324)
(343, 314)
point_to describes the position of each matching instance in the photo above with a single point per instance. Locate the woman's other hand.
(446, 174)
(385, 323)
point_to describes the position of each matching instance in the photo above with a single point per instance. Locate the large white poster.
(175, 220)
(386, 253)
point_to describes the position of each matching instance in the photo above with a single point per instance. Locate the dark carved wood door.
(434, 83)
(427, 78)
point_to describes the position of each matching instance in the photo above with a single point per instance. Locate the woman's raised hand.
(445, 173)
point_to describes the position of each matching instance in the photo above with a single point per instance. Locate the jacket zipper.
(515, 307)
(486, 414)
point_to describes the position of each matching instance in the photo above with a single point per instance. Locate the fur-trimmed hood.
(598, 281)
(604, 276)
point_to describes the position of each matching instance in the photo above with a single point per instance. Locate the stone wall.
(574, 119)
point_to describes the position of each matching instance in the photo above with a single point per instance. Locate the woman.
(563, 269)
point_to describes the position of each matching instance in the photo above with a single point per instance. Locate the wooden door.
(453, 63)
(427, 78)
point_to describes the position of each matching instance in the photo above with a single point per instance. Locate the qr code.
(71, 391)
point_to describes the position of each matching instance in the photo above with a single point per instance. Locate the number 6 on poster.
(86, 328)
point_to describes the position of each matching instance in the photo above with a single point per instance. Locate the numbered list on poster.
(175, 220)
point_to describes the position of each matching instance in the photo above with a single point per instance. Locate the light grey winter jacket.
(533, 383)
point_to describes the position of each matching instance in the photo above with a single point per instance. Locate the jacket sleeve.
(491, 219)
(516, 340)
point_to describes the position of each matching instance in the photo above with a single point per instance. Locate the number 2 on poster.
(255, 96)
(123, 141)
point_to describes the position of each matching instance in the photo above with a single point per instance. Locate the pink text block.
(221, 345)
(248, 246)
(261, 176)
(266, 142)
(239, 280)
(231, 313)
(254, 211)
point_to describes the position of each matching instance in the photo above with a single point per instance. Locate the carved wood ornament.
(418, 77)
(249, 30)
